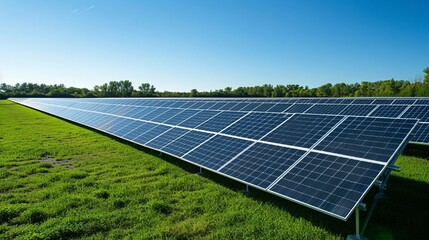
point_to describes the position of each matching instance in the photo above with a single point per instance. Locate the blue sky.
(178, 45)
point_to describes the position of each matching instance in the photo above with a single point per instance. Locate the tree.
(193, 93)
(426, 77)
(146, 90)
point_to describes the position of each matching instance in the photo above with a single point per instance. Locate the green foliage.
(116, 191)
(124, 88)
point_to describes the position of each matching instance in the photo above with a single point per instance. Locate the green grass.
(60, 180)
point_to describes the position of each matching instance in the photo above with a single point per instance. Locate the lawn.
(62, 180)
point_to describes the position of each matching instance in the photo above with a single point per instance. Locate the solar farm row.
(375, 107)
(325, 162)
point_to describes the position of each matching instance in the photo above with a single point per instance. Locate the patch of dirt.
(65, 163)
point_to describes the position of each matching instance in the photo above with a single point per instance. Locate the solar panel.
(186, 143)
(329, 183)
(220, 121)
(217, 151)
(302, 130)
(418, 112)
(326, 109)
(256, 125)
(320, 154)
(298, 108)
(357, 110)
(370, 138)
(261, 164)
(388, 111)
(421, 134)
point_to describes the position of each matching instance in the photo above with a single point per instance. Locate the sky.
(179, 45)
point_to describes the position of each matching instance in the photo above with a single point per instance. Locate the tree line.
(124, 88)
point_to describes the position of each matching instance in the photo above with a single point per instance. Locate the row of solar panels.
(171, 106)
(347, 101)
(325, 162)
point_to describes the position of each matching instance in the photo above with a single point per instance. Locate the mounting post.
(200, 172)
(358, 235)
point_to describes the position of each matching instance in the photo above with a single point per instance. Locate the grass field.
(61, 180)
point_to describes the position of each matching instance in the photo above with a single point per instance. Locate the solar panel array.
(321, 153)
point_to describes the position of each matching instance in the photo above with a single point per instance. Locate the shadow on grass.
(402, 214)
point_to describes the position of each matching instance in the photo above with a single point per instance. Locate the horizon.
(179, 46)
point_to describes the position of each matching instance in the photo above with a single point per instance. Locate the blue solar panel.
(358, 110)
(371, 138)
(421, 133)
(383, 101)
(326, 109)
(170, 113)
(167, 137)
(302, 130)
(217, 151)
(332, 184)
(198, 118)
(280, 107)
(239, 106)
(404, 101)
(250, 107)
(264, 107)
(220, 121)
(140, 129)
(388, 111)
(228, 106)
(419, 112)
(298, 108)
(422, 102)
(363, 101)
(256, 125)
(186, 143)
(154, 113)
(182, 116)
(150, 134)
(261, 164)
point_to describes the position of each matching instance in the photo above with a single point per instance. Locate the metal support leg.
(200, 172)
(358, 235)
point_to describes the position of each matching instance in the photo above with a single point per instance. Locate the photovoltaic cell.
(256, 125)
(217, 151)
(167, 137)
(220, 121)
(150, 134)
(419, 112)
(262, 164)
(186, 143)
(250, 107)
(333, 184)
(358, 110)
(302, 130)
(198, 118)
(264, 107)
(167, 115)
(421, 133)
(388, 111)
(363, 101)
(326, 109)
(371, 138)
(182, 116)
(141, 129)
(383, 101)
(280, 107)
(298, 108)
(404, 101)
